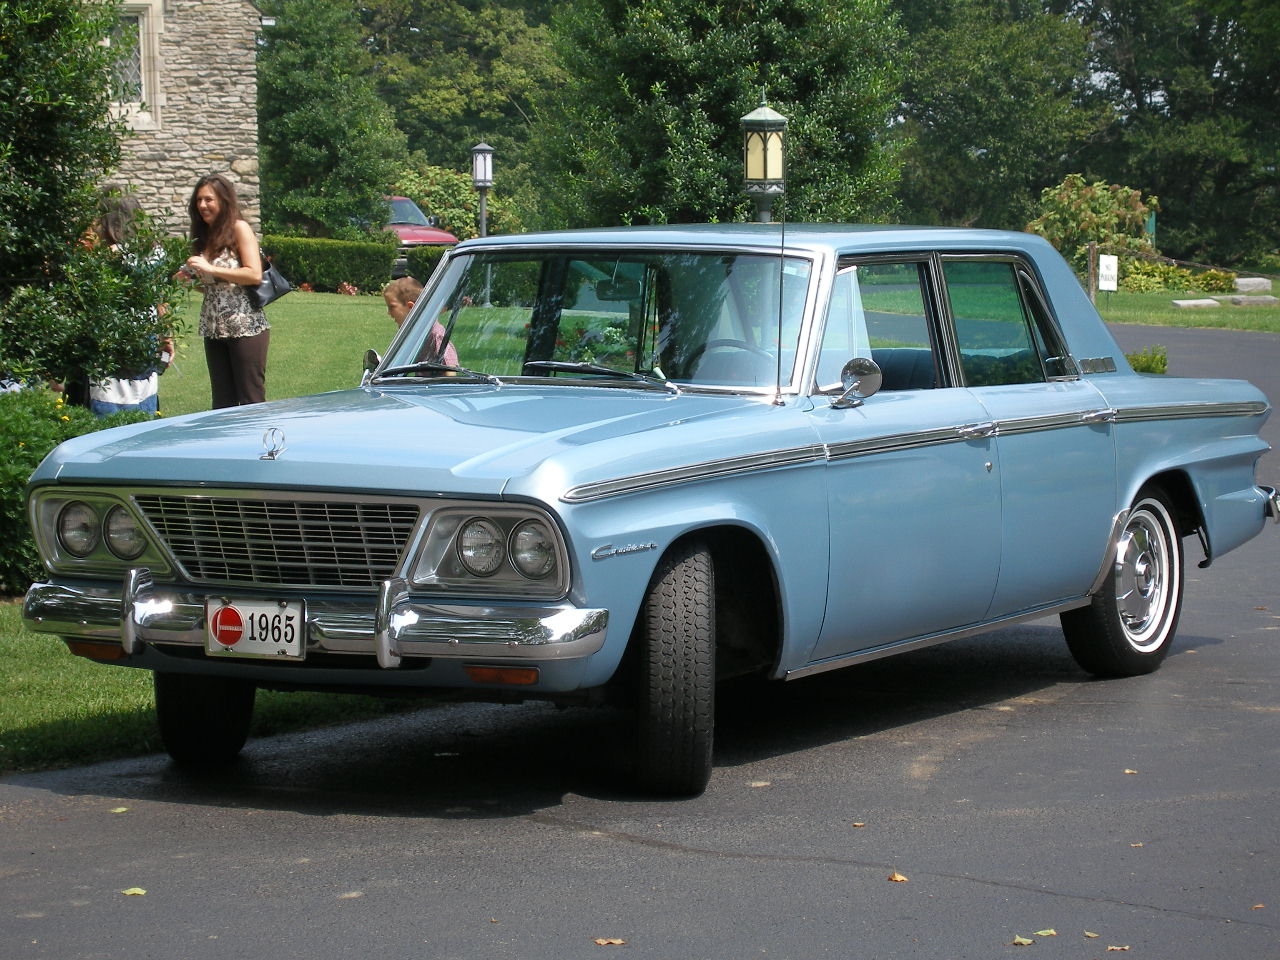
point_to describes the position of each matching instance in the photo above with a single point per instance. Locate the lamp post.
(764, 134)
(482, 180)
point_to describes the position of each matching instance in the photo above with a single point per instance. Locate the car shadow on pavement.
(482, 761)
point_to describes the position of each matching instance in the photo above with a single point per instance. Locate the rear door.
(1055, 455)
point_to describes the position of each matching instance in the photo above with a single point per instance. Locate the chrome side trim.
(895, 442)
(919, 643)
(341, 626)
(1191, 411)
(705, 470)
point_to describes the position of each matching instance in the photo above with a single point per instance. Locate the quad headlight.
(79, 529)
(516, 551)
(91, 531)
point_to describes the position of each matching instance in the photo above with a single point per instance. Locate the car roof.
(837, 238)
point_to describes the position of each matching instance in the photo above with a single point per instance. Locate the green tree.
(329, 148)
(1191, 87)
(458, 72)
(68, 312)
(646, 126)
(991, 109)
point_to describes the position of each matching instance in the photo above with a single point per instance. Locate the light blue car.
(620, 465)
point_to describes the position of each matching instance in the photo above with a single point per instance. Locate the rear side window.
(1002, 338)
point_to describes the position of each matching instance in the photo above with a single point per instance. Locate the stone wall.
(201, 117)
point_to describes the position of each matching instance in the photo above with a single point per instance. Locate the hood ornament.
(273, 443)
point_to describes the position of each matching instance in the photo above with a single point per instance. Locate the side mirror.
(861, 378)
(371, 362)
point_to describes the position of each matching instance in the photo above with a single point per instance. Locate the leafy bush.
(1147, 276)
(1076, 213)
(327, 264)
(1154, 359)
(33, 422)
(423, 260)
(1214, 281)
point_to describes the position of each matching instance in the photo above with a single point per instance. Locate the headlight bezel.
(438, 564)
(47, 509)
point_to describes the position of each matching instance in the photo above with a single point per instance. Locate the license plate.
(255, 628)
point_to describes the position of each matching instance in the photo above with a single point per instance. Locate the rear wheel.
(204, 721)
(1128, 628)
(675, 679)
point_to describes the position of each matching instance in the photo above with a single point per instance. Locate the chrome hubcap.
(1143, 566)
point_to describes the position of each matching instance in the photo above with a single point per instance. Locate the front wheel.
(204, 721)
(675, 679)
(1129, 626)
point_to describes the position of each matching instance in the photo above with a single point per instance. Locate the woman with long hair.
(227, 263)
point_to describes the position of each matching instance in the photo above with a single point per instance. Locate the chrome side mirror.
(860, 378)
(371, 361)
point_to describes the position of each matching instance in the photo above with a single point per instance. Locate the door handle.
(977, 431)
(1106, 415)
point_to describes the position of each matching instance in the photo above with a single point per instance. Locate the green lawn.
(1158, 309)
(318, 341)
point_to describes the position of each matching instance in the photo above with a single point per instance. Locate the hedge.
(327, 264)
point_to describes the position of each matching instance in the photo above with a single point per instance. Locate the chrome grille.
(285, 543)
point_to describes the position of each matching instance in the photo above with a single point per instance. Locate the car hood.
(470, 440)
(408, 233)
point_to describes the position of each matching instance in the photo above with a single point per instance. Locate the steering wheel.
(737, 344)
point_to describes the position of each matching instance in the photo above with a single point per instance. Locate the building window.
(136, 77)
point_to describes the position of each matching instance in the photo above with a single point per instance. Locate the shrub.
(423, 260)
(1075, 213)
(1214, 281)
(1154, 359)
(33, 422)
(1146, 276)
(327, 264)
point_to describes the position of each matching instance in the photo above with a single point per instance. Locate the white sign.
(1108, 272)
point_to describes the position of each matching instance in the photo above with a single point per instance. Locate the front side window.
(693, 319)
(878, 311)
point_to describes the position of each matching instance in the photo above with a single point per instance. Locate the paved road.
(1013, 793)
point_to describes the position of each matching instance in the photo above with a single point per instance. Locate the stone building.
(190, 100)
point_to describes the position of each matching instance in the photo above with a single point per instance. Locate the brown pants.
(237, 369)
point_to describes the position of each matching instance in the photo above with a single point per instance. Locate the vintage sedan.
(656, 458)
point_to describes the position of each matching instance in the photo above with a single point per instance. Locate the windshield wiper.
(584, 367)
(423, 365)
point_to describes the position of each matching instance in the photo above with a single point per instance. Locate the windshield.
(701, 319)
(404, 210)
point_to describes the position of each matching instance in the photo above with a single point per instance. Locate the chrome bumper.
(392, 627)
(1272, 505)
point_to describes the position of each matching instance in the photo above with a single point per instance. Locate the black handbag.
(272, 288)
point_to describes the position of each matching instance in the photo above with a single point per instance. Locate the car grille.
(283, 543)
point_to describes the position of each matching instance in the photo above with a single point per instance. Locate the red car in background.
(414, 229)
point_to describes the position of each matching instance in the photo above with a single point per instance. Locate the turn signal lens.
(78, 529)
(480, 547)
(512, 676)
(533, 549)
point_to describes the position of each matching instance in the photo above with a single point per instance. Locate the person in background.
(226, 262)
(129, 390)
(400, 296)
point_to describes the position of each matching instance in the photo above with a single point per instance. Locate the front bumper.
(1272, 502)
(394, 626)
